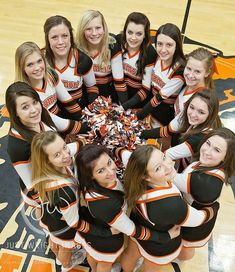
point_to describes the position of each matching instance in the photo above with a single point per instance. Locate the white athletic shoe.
(116, 267)
(138, 264)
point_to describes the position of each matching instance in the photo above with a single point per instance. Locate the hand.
(114, 231)
(119, 109)
(174, 231)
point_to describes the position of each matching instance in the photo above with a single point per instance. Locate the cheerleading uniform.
(138, 87)
(78, 77)
(54, 90)
(201, 188)
(110, 210)
(184, 151)
(110, 77)
(166, 85)
(19, 150)
(160, 208)
(175, 124)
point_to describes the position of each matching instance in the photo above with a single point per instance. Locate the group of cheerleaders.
(79, 201)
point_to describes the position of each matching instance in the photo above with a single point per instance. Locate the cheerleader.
(30, 66)
(103, 194)
(94, 39)
(202, 183)
(72, 65)
(139, 57)
(156, 203)
(198, 75)
(167, 75)
(27, 118)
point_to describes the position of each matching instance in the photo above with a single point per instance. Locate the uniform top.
(110, 77)
(78, 71)
(201, 186)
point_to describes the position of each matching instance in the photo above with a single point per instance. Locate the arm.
(171, 87)
(117, 72)
(162, 132)
(179, 151)
(67, 126)
(196, 218)
(144, 91)
(68, 102)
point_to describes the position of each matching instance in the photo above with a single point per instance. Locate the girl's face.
(160, 168)
(28, 110)
(59, 39)
(197, 112)
(94, 31)
(104, 171)
(34, 67)
(213, 151)
(134, 36)
(58, 153)
(195, 73)
(165, 48)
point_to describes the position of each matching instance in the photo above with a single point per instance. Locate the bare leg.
(103, 267)
(150, 266)
(130, 256)
(54, 247)
(64, 256)
(186, 253)
(92, 262)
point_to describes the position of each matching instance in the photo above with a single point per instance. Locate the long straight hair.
(19, 89)
(139, 19)
(52, 22)
(174, 33)
(135, 174)
(83, 44)
(212, 122)
(85, 163)
(228, 164)
(42, 170)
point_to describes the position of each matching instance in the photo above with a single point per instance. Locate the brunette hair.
(139, 19)
(14, 91)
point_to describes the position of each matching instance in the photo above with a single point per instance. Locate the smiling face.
(197, 112)
(213, 151)
(34, 67)
(104, 171)
(28, 110)
(59, 39)
(134, 36)
(165, 48)
(160, 168)
(195, 73)
(58, 154)
(94, 31)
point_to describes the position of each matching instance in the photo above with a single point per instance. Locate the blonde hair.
(82, 42)
(22, 52)
(205, 56)
(42, 170)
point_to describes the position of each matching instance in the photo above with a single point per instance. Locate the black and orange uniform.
(52, 92)
(200, 188)
(160, 208)
(138, 87)
(110, 77)
(110, 210)
(19, 150)
(183, 151)
(174, 125)
(166, 85)
(78, 78)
